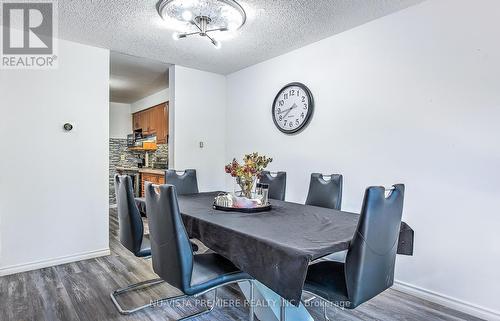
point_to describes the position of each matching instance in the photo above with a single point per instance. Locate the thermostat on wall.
(67, 127)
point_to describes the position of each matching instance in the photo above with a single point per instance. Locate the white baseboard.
(13, 269)
(449, 302)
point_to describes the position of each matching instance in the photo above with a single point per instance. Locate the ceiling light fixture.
(202, 17)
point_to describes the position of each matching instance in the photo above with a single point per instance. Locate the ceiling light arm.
(184, 35)
(195, 24)
(218, 29)
(213, 41)
(203, 33)
(206, 31)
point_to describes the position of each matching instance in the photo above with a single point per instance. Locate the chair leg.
(282, 310)
(252, 306)
(197, 314)
(158, 302)
(133, 287)
(309, 299)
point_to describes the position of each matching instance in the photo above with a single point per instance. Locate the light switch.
(122, 157)
(202, 144)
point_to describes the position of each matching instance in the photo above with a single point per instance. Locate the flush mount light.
(202, 17)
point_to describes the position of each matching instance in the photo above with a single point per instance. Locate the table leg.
(268, 305)
(283, 310)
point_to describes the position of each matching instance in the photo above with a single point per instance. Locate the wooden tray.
(259, 209)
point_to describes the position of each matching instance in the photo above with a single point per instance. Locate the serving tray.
(258, 209)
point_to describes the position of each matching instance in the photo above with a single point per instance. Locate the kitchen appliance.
(138, 134)
(141, 162)
(134, 138)
(130, 140)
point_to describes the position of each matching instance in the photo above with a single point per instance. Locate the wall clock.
(293, 108)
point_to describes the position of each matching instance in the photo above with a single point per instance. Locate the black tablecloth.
(274, 247)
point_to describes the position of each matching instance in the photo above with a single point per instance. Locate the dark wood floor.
(80, 291)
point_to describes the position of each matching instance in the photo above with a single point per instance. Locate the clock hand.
(284, 111)
(289, 110)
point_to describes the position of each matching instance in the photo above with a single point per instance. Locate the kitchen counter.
(152, 171)
(127, 169)
(141, 170)
(142, 175)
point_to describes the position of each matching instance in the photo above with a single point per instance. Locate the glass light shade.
(187, 15)
(222, 13)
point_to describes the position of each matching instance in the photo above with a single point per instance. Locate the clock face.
(292, 108)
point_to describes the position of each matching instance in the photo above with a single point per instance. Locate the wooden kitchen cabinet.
(146, 123)
(157, 179)
(137, 121)
(160, 122)
(153, 120)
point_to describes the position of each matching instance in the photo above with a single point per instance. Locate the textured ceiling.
(273, 27)
(132, 78)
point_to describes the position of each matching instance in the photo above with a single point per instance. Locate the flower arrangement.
(246, 173)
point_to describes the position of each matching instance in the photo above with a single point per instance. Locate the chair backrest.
(371, 256)
(131, 228)
(170, 248)
(184, 181)
(277, 184)
(325, 193)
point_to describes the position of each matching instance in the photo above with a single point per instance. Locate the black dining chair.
(276, 182)
(369, 266)
(184, 181)
(173, 260)
(325, 192)
(131, 235)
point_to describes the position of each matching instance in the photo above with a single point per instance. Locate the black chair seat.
(211, 270)
(145, 247)
(327, 280)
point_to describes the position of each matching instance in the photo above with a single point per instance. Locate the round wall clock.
(293, 108)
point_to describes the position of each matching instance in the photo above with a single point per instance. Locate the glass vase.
(246, 186)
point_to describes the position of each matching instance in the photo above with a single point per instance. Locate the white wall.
(120, 120)
(197, 114)
(151, 100)
(414, 98)
(54, 184)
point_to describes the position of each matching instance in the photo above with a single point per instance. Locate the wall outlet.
(122, 157)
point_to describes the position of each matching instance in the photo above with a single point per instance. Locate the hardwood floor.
(80, 291)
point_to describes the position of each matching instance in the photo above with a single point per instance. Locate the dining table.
(275, 247)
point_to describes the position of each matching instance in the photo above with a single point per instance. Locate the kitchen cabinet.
(153, 120)
(137, 121)
(142, 120)
(157, 179)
